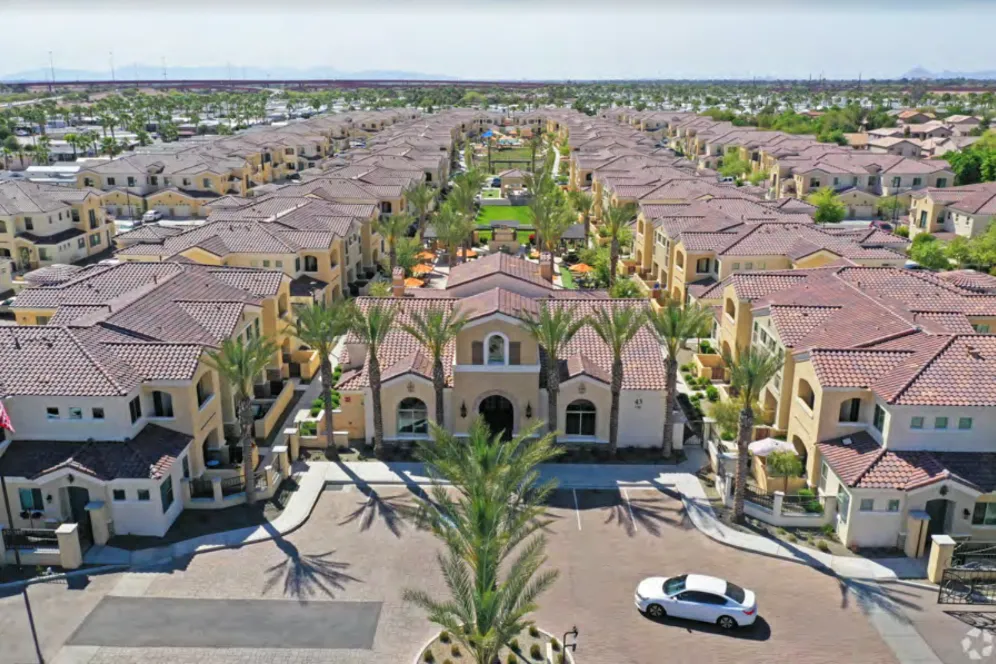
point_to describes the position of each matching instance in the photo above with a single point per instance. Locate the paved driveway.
(357, 548)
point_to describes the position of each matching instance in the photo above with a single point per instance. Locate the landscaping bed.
(530, 647)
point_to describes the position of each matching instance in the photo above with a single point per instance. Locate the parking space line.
(629, 507)
(577, 510)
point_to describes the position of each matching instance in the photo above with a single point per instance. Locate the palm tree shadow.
(394, 511)
(305, 575)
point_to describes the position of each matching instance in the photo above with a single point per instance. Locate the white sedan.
(697, 597)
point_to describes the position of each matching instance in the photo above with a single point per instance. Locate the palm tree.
(238, 362)
(553, 329)
(451, 229)
(674, 326)
(752, 369)
(392, 228)
(535, 141)
(617, 218)
(551, 228)
(463, 197)
(616, 326)
(583, 203)
(494, 550)
(372, 327)
(9, 147)
(421, 197)
(319, 326)
(435, 329)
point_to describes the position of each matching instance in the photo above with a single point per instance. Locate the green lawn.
(490, 193)
(567, 279)
(514, 154)
(519, 213)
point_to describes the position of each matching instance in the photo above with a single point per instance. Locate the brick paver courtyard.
(356, 547)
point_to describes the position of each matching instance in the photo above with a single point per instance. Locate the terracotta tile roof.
(499, 263)
(854, 368)
(52, 274)
(970, 280)
(962, 373)
(159, 361)
(149, 455)
(861, 462)
(794, 323)
(581, 365)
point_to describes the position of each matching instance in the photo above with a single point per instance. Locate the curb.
(89, 571)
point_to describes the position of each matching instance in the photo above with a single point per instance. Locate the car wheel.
(656, 611)
(726, 622)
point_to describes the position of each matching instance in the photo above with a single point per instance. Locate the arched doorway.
(499, 415)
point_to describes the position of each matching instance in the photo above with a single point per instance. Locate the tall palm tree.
(421, 197)
(239, 362)
(535, 141)
(553, 330)
(617, 218)
(491, 531)
(583, 203)
(674, 326)
(616, 326)
(463, 197)
(752, 369)
(320, 326)
(435, 329)
(392, 228)
(372, 327)
(550, 229)
(449, 226)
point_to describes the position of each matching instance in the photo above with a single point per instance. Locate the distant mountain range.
(147, 72)
(921, 73)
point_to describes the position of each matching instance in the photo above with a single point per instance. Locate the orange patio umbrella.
(471, 253)
(426, 256)
(412, 282)
(581, 267)
(421, 269)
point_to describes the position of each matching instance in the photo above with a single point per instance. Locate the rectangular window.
(984, 514)
(98, 413)
(31, 500)
(28, 224)
(186, 467)
(964, 423)
(867, 505)
(81, 243)
(736, 266)
(942, 182)
(95, 239)
(878, 421)
(916, 423)
(894, 505)
(850, 410)
(207, 183)
(75, 413)
(119, 494)
(143, 495)
(824, 476)
(266, 263)
(278, 264)
(135, 408)
(166, 493)
(748, 266)
(111, 182)
(843, 503)
(52, 413)
(981, 329)
(153, 180)
(310, 264)
(940, 423)
(917, 182)
(702, 265)
(162, 403)
(131, 181)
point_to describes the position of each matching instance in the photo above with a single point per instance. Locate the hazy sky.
(512, 39)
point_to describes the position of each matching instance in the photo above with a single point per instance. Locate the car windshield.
(735, 592)
(675, 584)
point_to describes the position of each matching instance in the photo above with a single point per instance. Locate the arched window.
(850, 411)
(806, 393)
(496, 349)
(413, 417)
(731, 309)
(580, 418)
(679, 259)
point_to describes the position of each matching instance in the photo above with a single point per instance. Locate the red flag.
(5, 419)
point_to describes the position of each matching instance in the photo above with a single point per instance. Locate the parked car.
(697, 597)
(152, 215)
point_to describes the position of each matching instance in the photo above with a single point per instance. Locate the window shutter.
(477, 352)
(515, 352)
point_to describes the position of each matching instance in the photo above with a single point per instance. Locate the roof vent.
(974, 353)
(847, 441)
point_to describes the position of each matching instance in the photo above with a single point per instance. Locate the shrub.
(686, 368)
(827, 529)
(555, 644)
(429, 658)
(308, 428)
(806, 492)
(455, 650)
(792, 538)
(514, 645)
(823, 546)
(902, 231)
(444, 636)
(712, 393)
(781, 531)
(705, 347)
(512, 659)
(447, 661)
(533, 632)
(534, 651)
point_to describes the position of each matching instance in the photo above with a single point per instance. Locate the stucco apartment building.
(117, 414)
(964, 211)
(42, 225)
(495, 369)
(876, 390)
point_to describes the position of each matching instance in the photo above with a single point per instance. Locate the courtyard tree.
(675, 325)
(616, 223)
(239, 362)
(320, 326)
(371, 328)
(392, 228)
(434, 329)
(750, 371)
(616, 325)
(420, 197)
(583, 203)
(784, 465)
(491, 532)
(829, 208)
(553, 329)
